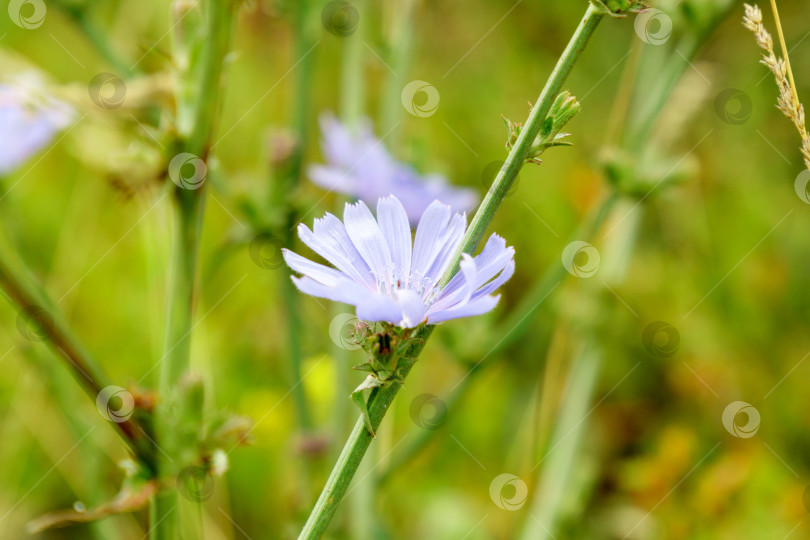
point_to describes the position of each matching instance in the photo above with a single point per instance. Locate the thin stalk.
(656, 96)
(400, 30)
(688, 47)
(567, 441)
(352, 87)
(198, 105)
(175, 362)
(558, 464)
(283, 188)
(784, 52)
(381, 398)
(23, 291)
(517, 156)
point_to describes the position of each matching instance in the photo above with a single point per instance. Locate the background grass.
(721, 256)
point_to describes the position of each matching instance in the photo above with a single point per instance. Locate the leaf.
(359, 399)
(546, 127)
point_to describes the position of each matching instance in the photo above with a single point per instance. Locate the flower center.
(393, 281)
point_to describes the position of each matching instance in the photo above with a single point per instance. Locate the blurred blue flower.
(386, 278)
(360, 166)
(29, 119)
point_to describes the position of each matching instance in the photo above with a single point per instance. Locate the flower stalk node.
(564, 108)
(387, 354)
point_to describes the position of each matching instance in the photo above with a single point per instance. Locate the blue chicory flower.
(28, 121)
(361, 167)
(380, 272)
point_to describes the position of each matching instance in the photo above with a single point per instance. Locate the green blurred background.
(715, 250)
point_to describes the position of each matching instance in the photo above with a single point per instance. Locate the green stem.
(356, 446)
(198, 97)
(517, 156)
(285, 185)
(189, 207)
(400, 31)
(656, 95)
(23, 291)
(352, 87)
(556, 476)
(380, 399)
